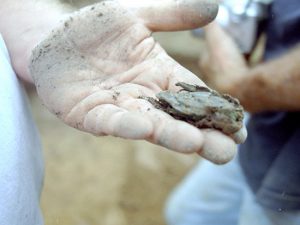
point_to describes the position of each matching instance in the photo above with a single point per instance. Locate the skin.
(230, 74)
(92, 68)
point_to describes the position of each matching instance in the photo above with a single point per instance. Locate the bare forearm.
(23, 24)
(274, 85)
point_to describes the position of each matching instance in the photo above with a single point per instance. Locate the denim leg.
(253, 213)
(209, 195)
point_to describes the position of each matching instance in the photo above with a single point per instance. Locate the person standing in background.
(262, 185)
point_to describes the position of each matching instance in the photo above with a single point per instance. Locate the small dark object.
(201, 107)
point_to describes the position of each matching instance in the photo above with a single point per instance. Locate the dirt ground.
(105, 180)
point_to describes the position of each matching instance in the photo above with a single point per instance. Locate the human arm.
(92, 69)
(24, 24)
(272, 85)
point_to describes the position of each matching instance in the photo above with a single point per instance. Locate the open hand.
(92, 70)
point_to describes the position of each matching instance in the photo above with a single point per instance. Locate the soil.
(103, 180)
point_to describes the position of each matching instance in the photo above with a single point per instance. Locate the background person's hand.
(221, 62)
(92, 70)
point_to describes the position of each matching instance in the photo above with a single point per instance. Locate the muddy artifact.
(201, 107)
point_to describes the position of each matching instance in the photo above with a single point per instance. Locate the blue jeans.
(219, 195)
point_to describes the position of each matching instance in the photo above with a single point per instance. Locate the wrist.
(251, 91)
(24, 25)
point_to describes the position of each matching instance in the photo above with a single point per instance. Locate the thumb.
(173, 15)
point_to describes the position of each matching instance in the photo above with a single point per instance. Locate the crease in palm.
(92, 70)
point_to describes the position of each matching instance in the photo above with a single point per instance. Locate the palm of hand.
(92, 70)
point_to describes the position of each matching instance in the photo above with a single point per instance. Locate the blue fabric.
(270, 157)
(219, 195)
(21, 160)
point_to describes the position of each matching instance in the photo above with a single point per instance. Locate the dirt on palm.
(105, 180)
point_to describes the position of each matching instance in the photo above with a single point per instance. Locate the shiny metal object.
(241, 18)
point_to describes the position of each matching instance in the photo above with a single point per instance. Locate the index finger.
(173, 15)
